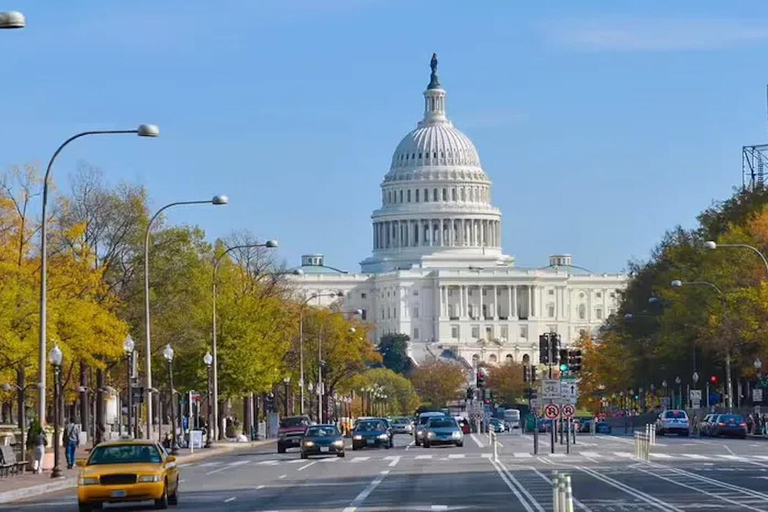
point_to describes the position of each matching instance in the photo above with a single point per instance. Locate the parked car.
(728, 425)
(673, 421)
(512, 418)
(705, 425)
(371, 433)
(322, 440)
(443, 430)
(421, 425)
(290, 432)
(602, 427)
(543, 424)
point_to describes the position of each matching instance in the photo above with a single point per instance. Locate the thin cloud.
(656, 35)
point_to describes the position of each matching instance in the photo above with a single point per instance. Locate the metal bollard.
(568, 494)
(495, 448)
(556, 493)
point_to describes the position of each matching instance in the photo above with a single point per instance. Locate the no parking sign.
(551, 411)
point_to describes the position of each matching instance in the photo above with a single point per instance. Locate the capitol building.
(437, 271)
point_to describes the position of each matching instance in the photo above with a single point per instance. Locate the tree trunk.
(101, 425)
(21, 396)
(84, 397)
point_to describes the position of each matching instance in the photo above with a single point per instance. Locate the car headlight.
(383, 437)
(309, 443)
(456, 435)
(358, 438)
(88, 480)
(338, 443)
(419, 432)
(150, 478)
(430, 435)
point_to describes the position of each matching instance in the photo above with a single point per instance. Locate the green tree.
(394, 352)
(506, 382)
(439, 382)
(401, 399)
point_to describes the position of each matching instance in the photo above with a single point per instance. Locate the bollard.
(495, 448)
(568, 494)
(555, 493)
(653, 434)
(561, 493)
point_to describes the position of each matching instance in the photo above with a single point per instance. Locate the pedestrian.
(71, 440)
(39, 442)
(750, 424)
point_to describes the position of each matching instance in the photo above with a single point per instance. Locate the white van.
(512, 418)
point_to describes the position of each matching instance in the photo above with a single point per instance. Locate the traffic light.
(544, 348)
(480, 378)
(574, 360)
(563, 358)
(269, 402)
(470, 393)
(713, 379)
(528, 393)
(533, 373)
(526, 373)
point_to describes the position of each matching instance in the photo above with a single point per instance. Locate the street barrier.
(642, 446)
(562, 493)
(495, 444)
(650, 430)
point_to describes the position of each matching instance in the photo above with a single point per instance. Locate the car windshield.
(678, 415)
(125, 454)
(294, 422)
(442, 423)
(425, 419)
(370, 426)
(731, 418)
(400, 421)
(322, 431)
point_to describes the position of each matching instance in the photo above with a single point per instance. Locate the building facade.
(437, 271)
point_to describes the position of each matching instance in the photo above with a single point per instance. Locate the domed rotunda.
(436, 206)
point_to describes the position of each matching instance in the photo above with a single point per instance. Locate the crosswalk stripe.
(661, 455)
(268, 462)
(626, 455)
(591, 454)
(360, 459)
(695, 456)
(456, 456)
(423, 456)
(556, 455)
(295, 461)
(522, 455)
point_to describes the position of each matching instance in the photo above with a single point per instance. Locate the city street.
(684, 474)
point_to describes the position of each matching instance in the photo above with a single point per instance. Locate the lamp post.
(270, 244)
(320, 387)
(286, 383)
(145, 130)
(208, 360)
(729, 386)
(55, 357)
(758, 364)
(12, 20)
(679, 382)
(128, 346)
(712, 245)
(310, 387)
(219, 200)
(168, 355)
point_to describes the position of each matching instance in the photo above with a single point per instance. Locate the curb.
(68, 483)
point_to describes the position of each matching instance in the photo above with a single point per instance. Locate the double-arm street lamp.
(55, 358)
(208, 360)
(144, 130)
(729, 386)
(219, 200)
(12, 20)
(270, 244)
(168, 355)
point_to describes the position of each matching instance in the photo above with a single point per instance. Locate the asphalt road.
(684, 474)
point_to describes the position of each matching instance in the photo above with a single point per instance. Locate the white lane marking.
(625, 441)
(505, 477)
(334, 459)
(661, 456)
(295, 461)
(268, 463)
(186, 465)
(456, 456)
(592, 454)
(702, 491)
(228, 466)
(696, 456)
(522, 455)
(439, 507)
(486, 455)
(477, 441)
(282, 476)
(732, 457)
(302, 468)
(626, 455)
(728, 449)
(208, 464)
(260, 487)
(764, 457)
(233, 498)
(394, 462)
(661, 505)
(360, 459)
(556, 455)
(410, 445)
(360, 498)
(577, 502)
(423, 457)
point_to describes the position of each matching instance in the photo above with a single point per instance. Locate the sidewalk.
(13, 488)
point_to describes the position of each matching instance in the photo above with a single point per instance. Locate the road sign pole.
(568, 436)
(535, 434)
(553, 437)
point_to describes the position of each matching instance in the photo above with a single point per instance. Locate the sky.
(601, 124)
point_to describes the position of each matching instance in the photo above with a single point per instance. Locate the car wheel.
(426, 444)
(173, 499)
(340, 454)
(303, 455)
(354, 447)
(84, 507)
(460, 444)
(162, 503)
(280, 448)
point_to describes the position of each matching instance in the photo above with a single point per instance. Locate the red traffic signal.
(713, 379)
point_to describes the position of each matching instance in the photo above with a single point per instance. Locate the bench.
(8, 463)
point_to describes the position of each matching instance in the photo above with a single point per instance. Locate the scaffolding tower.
(754, 162)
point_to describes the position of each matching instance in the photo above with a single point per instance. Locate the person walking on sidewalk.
(71, 440)
(40, 441)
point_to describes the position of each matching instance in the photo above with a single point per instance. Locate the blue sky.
(601, 124)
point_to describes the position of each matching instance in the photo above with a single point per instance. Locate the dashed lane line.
(360, 498)
(360, 459)
(456, 456)
(228, 466)
(655, 502)
(422, 457)
(395, 460)
(310, 464)
(477, 441)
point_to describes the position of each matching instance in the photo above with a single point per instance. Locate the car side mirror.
(170, 458)
(80, 463)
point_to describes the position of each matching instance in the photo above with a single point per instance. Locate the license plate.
(324, 449)
(119, 494)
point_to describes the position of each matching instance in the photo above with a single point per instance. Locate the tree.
(506, 381)
(402, 398)
(394, 352)
(439, 382)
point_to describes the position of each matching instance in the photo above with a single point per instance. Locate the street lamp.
(168, 355)
(55, 357)
(144, 130)
(208, 360)
(270, 244)
(219, 200)
(679, 381)
(12, 19)
(286, 382)
(712, 245)
(758, 364)
(128, 346)
(320, 388)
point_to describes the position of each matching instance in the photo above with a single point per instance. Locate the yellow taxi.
(128, 470)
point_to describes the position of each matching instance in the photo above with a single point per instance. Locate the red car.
(463, 424)
(292, 429)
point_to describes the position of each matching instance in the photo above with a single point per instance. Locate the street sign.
(757, 395)
(550, 389)
(551, 411)
(535, 404)
(695, 404)
(569, 391)
(695, 395)
(568, 411)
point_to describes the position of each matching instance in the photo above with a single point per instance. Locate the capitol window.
(475, 331)
(401, 196)
(417, 195)
(551, 310)
(416, 333)
(455, 332)
(453, 194)
(599, 313)
(364, 315)
(582, 311)
(551, 292)
(409, 196)
(524, 331)
(445, 194)
(415, 311)
(598, 295)
(363, 295)
(434, 194)
(426, 195)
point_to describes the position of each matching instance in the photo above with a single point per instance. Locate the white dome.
(436, 144)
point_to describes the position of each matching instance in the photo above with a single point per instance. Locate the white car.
(673, 421)
(512, 418)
